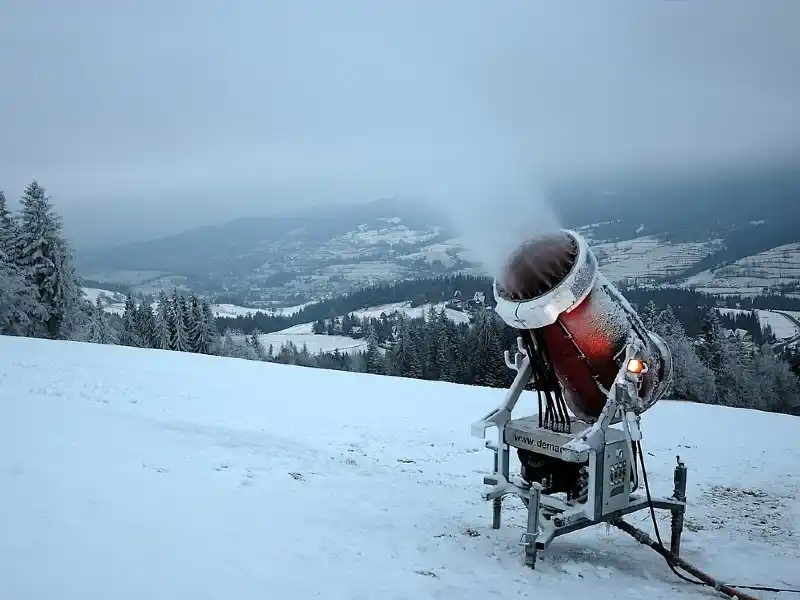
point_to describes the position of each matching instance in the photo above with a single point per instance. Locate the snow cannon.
(552, 289)
(595, 368)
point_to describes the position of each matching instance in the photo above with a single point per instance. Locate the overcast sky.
(159, 115)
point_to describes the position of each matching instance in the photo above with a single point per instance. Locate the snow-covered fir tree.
(257, 346)
(9, 231)
(17, 305)
(179, 337)
(100, 330)
(210, 341)
(130, 334)
(779, 387)
(198, 340)
(236, 345)
(692, 380)
(46, 260)
(373, 359)
(186, 314)
(18, 309)
(145, 325)
(487, 357)
(161, 319)
(403, 355)
(432, 344)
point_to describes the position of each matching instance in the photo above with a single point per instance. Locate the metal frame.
(550, 517)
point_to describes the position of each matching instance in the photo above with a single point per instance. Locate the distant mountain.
(303, 255)
(738, 234)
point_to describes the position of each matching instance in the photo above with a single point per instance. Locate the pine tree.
(186, 315)
(211, 338)
(18, 310)
(9, 231)
(145, 325)
(130, 335)
(403, 357)
(161, 321)
(740, 383)
(318, 327)
(17, 306)
(373, 360)
(233, 348)
(650, 315)
(101, 329)
(47, 263)
(691, 379)
(779, 387)
(486, 356)
(713, 353)
(257, 346)
(197, 326)
(179, 340)
(432, 351)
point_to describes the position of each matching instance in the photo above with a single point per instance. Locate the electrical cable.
(640, 452)
(671, 558)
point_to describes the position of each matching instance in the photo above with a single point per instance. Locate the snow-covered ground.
(130, 474)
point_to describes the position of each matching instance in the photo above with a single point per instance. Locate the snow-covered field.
(130, 474)
(752, 275)
(232, 310)
(647, 258)
(781, 322)
(413, 312)
(303, 334)
(114, 302)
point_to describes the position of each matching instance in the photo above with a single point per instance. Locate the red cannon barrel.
(552, 283)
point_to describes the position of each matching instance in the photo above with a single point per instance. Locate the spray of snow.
(494, 211)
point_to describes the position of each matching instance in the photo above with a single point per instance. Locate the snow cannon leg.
(497, 503)
(678, 513)
(531, 535)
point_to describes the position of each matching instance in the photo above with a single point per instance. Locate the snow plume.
(494, 210)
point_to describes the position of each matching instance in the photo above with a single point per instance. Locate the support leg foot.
(530, 536)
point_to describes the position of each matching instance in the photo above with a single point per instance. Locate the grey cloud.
(162, 115)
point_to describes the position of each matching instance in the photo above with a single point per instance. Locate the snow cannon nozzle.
(553, 291)
(546, 276)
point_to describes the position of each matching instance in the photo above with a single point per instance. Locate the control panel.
(616, 476)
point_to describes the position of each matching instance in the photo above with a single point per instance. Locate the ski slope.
(131, 474)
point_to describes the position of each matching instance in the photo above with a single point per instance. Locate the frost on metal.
(553, 284)
(543, 309)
